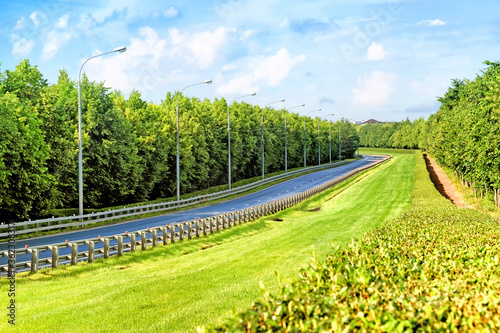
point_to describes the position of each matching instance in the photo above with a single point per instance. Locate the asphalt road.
(275, 192)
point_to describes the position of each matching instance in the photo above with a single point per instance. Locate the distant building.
(371, 121)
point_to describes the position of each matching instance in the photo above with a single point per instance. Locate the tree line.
(129, 145)
(463, 135)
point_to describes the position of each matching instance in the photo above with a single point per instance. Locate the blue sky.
(358, 59)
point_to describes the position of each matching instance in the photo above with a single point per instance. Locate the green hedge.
(435, 269)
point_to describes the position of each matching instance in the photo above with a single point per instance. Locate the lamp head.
(207, 81)
(282, 100)
(253, 94)
(120, 49)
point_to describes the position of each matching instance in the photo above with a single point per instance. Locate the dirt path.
(442, 182)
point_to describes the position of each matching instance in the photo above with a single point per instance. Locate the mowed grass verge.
(180, 286)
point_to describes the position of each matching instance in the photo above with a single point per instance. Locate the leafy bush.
(434, 269)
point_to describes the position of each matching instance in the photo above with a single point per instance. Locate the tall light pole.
(262, 123)
(331, 114)
(330, 139)
(120, 49)
(340, 143)
(177, 116)
(286, 143)
(229, 136)
(319, 143)
(305, 149)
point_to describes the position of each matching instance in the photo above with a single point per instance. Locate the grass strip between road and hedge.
(181, 286)
(434, 269)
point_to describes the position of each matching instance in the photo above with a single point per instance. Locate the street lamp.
(229, 136)
(340, 144)
(120, 49)
(262, 123)
(286, 144)
(177, 114)
(305, 135)
(330, 123)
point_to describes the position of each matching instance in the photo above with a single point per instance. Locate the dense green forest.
(129, 145)
(463, 135)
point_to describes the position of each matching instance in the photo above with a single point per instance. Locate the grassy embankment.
(179, 287)
(434, 269)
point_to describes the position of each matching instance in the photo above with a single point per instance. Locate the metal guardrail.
(90, 249)
(48, 224)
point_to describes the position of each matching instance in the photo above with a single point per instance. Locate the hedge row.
(434, 269)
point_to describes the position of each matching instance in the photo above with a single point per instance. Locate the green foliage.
(129, 145)
(436, 268)
(463, 135)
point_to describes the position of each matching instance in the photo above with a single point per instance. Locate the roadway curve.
(275, 192)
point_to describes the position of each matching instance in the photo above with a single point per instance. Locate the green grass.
(179, 287)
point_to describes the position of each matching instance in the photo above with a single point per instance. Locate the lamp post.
(319, 143)
(331, 114)
(330, 139)
(262, 123)
(177, 116)
(305, 149)
(229, 136)
(286, 143)
(120, 49)
(340, 144)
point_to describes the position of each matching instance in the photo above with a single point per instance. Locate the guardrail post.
(91, 252)
(224, 221)
(155, 237)
(190, 229)
(74, 253)
(143, 241)
(197, 225)
(120, 246)
(34, 260)
(172, 234)
(132, 242)
(55, 256)
(181, 231)
(211, 222)
(164, 231)
(106, 248)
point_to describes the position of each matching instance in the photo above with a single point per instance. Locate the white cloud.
(276, 68)
(63, 22)
(431, 23)
(23, 47)
(36, 18)
(375, 89)
(53, 43)
(248, 34)
(171, 12)
(201, 47)
(271, 71)
(21, 23)
(376, 52)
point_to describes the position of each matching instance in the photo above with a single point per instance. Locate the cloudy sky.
(359, 59)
